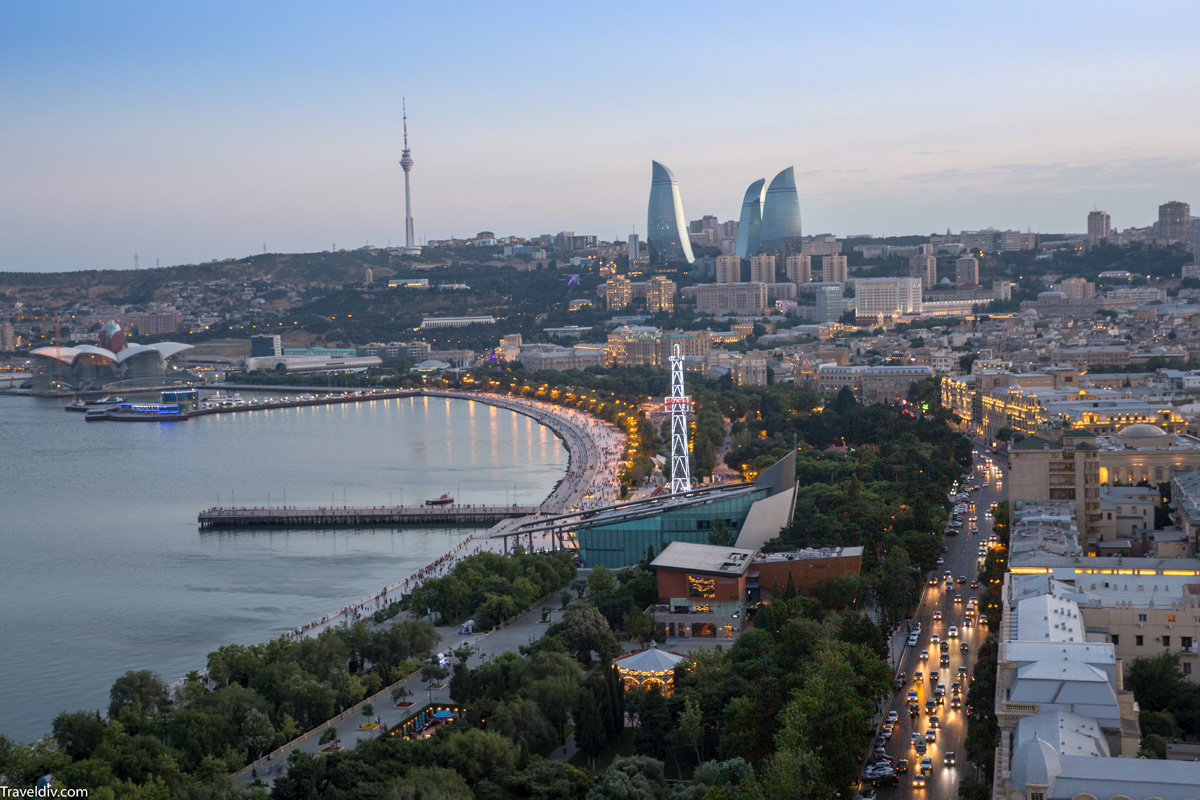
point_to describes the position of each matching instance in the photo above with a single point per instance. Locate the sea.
(104, 569)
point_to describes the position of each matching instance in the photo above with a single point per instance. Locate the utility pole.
(678, 405)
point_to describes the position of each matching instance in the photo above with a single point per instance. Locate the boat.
(444, 500)
(107, 401)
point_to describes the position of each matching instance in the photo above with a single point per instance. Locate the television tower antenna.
(678, 405)
(406, 163)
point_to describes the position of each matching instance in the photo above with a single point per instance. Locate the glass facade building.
(780, 229)
(623, 543)
(666, 226)
(750, 222)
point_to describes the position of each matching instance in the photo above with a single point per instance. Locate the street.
(961, 560)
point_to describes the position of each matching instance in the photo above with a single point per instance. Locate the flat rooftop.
(707, 558)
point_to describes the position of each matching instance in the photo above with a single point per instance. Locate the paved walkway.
(524, 630)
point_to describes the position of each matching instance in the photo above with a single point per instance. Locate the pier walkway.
(363, 517)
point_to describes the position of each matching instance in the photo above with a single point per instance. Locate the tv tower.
(679, 404)
(406, 163)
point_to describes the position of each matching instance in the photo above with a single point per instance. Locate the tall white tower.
(678, 405)
(406, 162)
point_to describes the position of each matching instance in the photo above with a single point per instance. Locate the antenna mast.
(678, 405)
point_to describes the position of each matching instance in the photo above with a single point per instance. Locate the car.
(931, 735)
(912, 640)
(949, 585)
(956, 702)
(956, 599)
(941, 561)
(918, 676)
(940, 689)
(924, 655)
(933, 676)
(934, 722)
(945, 660)
(930, 705)
(956, 688)
(885, 732)
(868, 794)
(902, 766)
(933, 580)
(892, 716)
(974, 584)
(966, 622)
(927, 765)
(937, 615)
(944, 645)
(948, 759)
(962, 672)
(912, 695)
(913, 709)
(962, 579)
(964, 647)
(916, 737)
(880, 752)
(918, 781)
(952, 632)
(920, 745)
(935, 638)
(888, 779)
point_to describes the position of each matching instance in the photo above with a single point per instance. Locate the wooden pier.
(363, 517)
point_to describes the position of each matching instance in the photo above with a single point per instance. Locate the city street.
(961, 560)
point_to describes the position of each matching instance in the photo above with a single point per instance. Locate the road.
(961, 559)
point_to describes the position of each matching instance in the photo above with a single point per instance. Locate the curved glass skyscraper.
(780, 230)
(749, 224)
(666, 227)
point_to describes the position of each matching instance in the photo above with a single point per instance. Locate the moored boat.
(444, 500)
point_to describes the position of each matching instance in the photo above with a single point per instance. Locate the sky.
(184, 132)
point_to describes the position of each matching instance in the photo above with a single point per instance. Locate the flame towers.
(770, 221)
(406, 163)
(666, 226)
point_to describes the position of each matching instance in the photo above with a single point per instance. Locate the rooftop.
(704, 558)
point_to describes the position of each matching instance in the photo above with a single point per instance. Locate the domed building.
(110, 362)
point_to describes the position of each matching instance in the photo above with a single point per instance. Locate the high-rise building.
(966, 270)
(924, 268)
(780, 231)
(887, 297)
(406, 163)
(660, 294)
(8, 337)
(617, 292)
(1099, 227)
(834, 269)
(729, 269)
(829, 304)
(666, 225)
(762, 268)
(743, 299)
(750, 223)
(1075, 288)
(635, 249)
(799, 268)
(1174, 223)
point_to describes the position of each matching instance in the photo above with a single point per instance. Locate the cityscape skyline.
(185, 135)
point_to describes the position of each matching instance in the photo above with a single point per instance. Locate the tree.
(638, 624)
(691, 727)
(143, 691)
(78, 734)
(654, 724)
(719, 533)
(601, 583)
(368, 710)
(258, 734)
(589, 728)
(585, 629)
(329, 736)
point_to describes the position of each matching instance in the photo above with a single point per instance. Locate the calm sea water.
(103, 568)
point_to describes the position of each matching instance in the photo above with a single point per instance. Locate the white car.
(953, 632)
(935, 638)
(937, 615)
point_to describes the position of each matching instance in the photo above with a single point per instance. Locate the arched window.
(1158, 475)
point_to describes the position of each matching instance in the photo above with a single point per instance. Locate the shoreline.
(591, 446)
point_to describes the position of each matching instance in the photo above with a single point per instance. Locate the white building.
(887, 297)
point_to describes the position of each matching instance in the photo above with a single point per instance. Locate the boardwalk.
(362, 517)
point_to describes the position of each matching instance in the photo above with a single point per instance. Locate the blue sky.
(186, 132)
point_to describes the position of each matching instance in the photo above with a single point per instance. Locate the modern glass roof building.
(780, 230)
(751, 220)
(666, 226)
